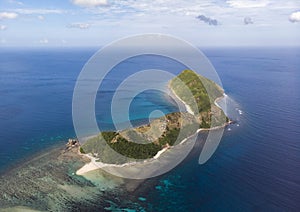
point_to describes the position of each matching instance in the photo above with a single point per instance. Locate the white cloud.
(90, 3)
(80, 25)
(15, 2)
(39, 11)
(164, 16)
(3, 27)
(8, 15)
(40, 17)
(146, 9)
(2, 41)
(295, 17)
(248, 3)
(44, 41)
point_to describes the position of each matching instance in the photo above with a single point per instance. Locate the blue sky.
(201, 22)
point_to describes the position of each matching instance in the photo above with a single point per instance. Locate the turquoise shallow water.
(256, 166)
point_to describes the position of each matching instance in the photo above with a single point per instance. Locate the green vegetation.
(189, 83)
(134, 150)
(193, 90)
(169, 138)
(145, 141)
(81, 150)
(108, 136)
(204, 124)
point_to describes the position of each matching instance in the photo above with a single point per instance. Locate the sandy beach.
(173, 94)
(94, 165)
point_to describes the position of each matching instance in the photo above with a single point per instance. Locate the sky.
(99, 22)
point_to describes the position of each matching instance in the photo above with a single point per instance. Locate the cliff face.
(145, 141)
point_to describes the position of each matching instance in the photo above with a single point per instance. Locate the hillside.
(191, 88)
(197, 85)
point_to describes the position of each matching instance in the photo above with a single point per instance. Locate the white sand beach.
(187, 107)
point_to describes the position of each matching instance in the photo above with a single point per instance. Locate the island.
(61, 178)
(151, 140)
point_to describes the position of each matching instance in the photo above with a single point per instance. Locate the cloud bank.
(208, 20)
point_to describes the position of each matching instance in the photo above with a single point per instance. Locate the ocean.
(256, 166)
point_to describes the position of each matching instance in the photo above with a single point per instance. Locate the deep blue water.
(256, 166)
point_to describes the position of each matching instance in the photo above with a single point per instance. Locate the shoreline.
(218, 99)
(172, 93)
(94, 165)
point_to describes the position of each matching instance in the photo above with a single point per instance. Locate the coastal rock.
(72, 143)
